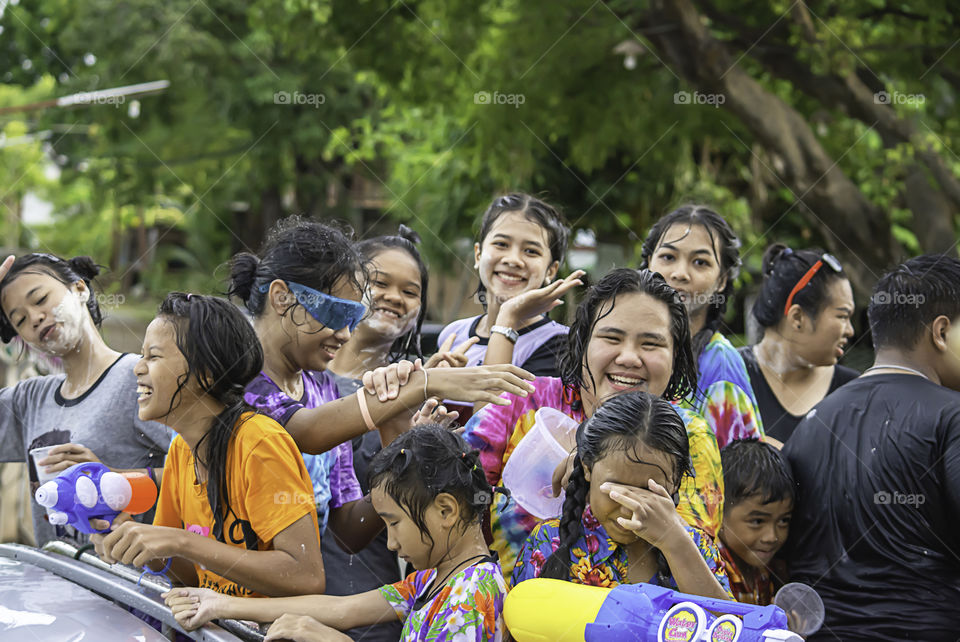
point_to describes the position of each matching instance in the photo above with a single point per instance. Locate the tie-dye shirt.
(496, 430)
(596, 560)
(469, 607)
(334, 482)
(724, 396)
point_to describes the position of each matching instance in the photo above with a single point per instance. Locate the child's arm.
(194, 607)
(303, 628)
(355, 524)
(656, 521)
(293, 567)
(317, 430)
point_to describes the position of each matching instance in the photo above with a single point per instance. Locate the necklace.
(885, 367)
(435, 590)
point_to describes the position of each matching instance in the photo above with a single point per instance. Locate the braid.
(557, 566)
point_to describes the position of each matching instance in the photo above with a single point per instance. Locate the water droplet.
(362, 518)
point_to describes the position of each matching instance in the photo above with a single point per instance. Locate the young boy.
(758, 502)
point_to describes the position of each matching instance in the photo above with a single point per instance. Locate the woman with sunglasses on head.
(304, 292)
(804, 306)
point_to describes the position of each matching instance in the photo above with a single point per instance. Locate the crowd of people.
(319, 473)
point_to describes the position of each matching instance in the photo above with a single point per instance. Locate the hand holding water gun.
(92, 491)
(542, 610)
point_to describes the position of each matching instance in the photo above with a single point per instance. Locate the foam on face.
(69, 313)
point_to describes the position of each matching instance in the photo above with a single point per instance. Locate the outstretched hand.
(449, 357)
(6, 265)
(539, 301)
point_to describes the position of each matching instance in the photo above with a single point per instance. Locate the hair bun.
(772, 255)
(408, 234)
(84, 266)
(243, 275)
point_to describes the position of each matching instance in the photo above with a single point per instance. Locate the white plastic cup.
(529, 471)
(803, 607)
(38, 454)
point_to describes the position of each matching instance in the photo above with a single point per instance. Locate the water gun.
(542, 610)
(92, 491)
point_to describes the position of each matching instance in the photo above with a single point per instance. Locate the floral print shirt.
(496, 430)
(596, 560)
(467, 609)
(724, 396)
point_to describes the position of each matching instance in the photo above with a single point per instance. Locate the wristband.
(506, 331)
(364, 411)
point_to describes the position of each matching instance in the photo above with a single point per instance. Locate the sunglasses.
(827, 259)
(331, 311)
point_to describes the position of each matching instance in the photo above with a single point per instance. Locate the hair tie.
(189, 294)
(786, 252)
(403, 451)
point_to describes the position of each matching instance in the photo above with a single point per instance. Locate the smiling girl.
(50, 304)
(235, 511)
(698, 254)
(630, 333)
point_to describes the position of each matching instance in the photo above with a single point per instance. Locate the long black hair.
(621, 423)
(614, 283)
(405, 239)
(782, 270)
(726, 251)
(426, 461)
(536, 211)
(223, 355)
(298, 250)
(67, 271)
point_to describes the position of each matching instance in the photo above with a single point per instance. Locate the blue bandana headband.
(331, 311)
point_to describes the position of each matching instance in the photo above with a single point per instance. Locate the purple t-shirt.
(334, 482)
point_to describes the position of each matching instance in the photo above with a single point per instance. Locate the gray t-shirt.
(104, 419)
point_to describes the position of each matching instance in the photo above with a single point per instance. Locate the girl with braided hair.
(698, 254)
(430, 490)
(619, 522)
(235, 511)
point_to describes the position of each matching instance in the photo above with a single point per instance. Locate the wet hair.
(726, 251)
(297, 250)
(405, 239)
(68, 272)
(426, 461)
(782, 270)
(753, 467)
(535, 211)
(223, 355)
(622, 423)
(617, 282)
(910, 297)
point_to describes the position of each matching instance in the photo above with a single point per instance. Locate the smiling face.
(311, 345)
(822, 342)
(403, 535)
(514, 257)
(630, 348)
(687, 258)
(393, 294)
(159, 371)
(633, 466)
(756, 531)
(48, 315)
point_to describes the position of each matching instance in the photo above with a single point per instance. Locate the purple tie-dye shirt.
(334, 482)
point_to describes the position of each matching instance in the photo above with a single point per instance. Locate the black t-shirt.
(777, 422)
(543, 361)
(875, 526)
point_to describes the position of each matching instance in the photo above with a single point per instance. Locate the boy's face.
(755, 531)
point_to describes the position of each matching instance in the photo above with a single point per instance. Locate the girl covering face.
(698, 254)
(50, 304)
(430, 491)
(219, 520)
(619, 523)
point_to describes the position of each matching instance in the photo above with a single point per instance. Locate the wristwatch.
(506, 331)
